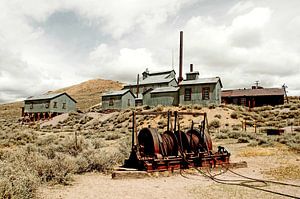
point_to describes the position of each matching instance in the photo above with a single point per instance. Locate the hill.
(86, 94)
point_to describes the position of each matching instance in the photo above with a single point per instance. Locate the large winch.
(174, 149)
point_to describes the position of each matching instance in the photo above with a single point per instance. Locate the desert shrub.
(17, 181)
(224, 130)
(97, 143)
(214, 124)
(212, 106)
(112, 136)
(218, 116)
(236, 127)
(293, 107)
(234, 134)
(222, 136)
(234, 115)
(73, 145)
(264, 142)
(97, 160)
(125, 146)
(242, 140)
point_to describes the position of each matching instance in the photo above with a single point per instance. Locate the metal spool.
(199, 141)
(149, 139)
(183, 141)
(169, 143)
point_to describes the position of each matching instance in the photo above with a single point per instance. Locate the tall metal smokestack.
(180, 78)
(191, 67)
(137, 85)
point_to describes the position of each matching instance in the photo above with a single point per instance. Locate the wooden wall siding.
(40, 106)
(119, 102)
(166, 99)
(196, 94)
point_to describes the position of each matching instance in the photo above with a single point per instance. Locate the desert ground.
(74, 154)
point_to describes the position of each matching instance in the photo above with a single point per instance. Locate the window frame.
(187, 95)
(111, 102)
(64, 105)
(54, 104)
(206, 93)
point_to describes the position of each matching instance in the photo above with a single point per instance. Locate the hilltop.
(86, 94)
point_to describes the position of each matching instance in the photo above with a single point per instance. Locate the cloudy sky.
(49, 44)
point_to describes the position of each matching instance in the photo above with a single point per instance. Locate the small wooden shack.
(203, 91)
(48, 105)
(167, 96)
(118, 100)
(256, 96)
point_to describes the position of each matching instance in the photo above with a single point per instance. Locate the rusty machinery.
(174, 149)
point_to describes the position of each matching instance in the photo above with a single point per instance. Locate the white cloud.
(248, 41)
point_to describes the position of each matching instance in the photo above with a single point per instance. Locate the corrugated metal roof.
(253, 92)
(116, 93)
(48, 97)
(200, 81)
(43, 97)
(165, 89)
(155, 78)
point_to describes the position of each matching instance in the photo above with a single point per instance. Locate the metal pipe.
(191, 67)
(133, 126)
(137, 85)
(180, 78)
(168, 126)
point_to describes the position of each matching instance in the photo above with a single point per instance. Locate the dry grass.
(284, 172)
(256, 151)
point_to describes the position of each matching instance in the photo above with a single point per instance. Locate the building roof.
(48, 96)
(165, 89)
(117, 93)
(190, 73)
(253, 92)
(201, 81)
(155, 78)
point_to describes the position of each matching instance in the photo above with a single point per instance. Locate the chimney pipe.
(191, 67)
(137, 85)
(180, 78)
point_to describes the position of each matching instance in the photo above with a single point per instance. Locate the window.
(111, 102)
(54, 104)
(128, 102)
(31, 106)
(205, 93)
(64, 106)
(187, 94)
(47, 105)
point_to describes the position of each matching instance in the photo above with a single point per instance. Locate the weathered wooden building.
(203, 91)
(167, 96)
(153, 80)
(118, 99)
(48, 105)
(256, 96)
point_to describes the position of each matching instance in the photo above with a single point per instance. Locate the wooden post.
(254, 126)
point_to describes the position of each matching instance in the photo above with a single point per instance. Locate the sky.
(46, 45)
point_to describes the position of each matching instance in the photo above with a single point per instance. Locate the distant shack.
(118, 100)
(48, 105)
(254, 97)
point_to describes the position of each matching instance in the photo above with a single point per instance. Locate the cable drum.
(169, 143)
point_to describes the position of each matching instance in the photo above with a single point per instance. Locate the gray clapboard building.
(167, 96)
(118, 99)
(48, 105)
(153, 80)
